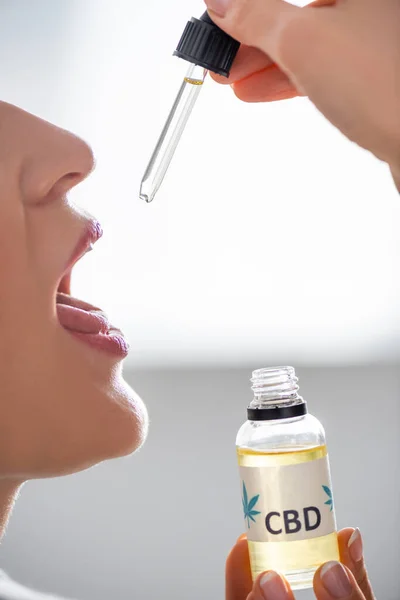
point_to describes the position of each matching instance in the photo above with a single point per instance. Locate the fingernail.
(220, 7)
(335, 580)
(273, 587)
(356, 546)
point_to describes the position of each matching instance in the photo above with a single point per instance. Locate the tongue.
(82, 321)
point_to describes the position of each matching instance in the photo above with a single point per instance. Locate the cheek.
(14, 259)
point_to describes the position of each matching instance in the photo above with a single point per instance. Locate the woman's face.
(64, 404)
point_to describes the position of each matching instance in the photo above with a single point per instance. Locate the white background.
(272, 238)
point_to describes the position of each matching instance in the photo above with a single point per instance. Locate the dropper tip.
(145, 198)
(146, 193)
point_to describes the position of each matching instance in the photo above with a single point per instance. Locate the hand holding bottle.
(333, 581)
(344, 55)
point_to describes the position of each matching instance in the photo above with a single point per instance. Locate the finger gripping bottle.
(285, 481)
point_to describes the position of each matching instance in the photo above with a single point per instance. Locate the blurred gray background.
(160, 524)
(272, 241)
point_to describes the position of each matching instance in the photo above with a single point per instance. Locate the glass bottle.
(285, 481)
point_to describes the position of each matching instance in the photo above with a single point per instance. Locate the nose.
(55, 161)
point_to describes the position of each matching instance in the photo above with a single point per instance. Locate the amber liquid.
(298, 560)
(193, 81)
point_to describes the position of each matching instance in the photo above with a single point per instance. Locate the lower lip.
(89, 325)
(112, 343)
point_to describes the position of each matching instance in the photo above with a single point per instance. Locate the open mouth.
(82, 320)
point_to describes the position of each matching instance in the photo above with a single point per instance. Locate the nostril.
(68, 181)
(63, 185)
(83, 163)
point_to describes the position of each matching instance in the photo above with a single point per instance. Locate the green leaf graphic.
(253, 502)
(244, 496)
(250, 517)
(328, 492)
(248, 507)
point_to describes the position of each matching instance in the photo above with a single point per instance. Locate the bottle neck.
(275, 395)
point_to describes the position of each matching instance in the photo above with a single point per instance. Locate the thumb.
(334, 581)
(261, 23)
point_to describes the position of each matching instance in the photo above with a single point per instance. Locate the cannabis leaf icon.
(329, 493)
(248, 507)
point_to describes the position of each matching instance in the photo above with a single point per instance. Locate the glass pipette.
(207, 48)
(172, 132)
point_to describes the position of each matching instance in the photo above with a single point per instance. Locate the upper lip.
(91, 234)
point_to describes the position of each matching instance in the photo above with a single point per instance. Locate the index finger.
(248, 60)
(255, 78)
(238, 578)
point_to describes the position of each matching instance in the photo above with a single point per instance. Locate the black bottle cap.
(205, 44)
(277, 412)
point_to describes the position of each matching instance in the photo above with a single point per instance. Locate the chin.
(113, 419)
(72, 409)
(131, 420)
(106, 420)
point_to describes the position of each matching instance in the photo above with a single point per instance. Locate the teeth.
(90, 248)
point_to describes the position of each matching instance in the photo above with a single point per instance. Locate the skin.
(65, 406)
(343, 55)
(239, 585)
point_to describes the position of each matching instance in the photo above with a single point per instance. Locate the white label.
(288, 503)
